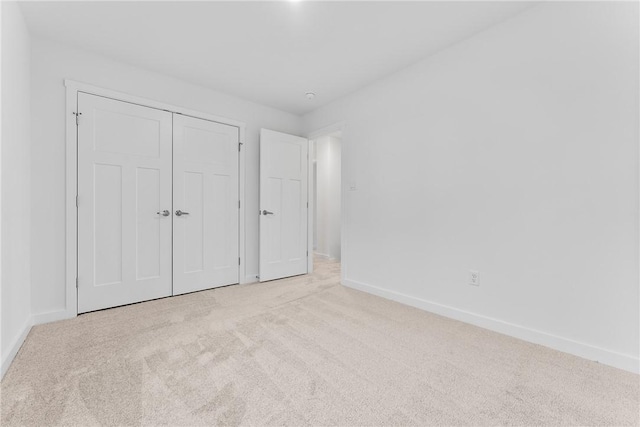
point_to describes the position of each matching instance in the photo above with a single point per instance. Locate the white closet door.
(124, 181)
(205, 204)
(283, 204)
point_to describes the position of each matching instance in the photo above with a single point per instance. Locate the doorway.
(327, 184)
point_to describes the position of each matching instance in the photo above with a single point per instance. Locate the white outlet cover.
(474, 277)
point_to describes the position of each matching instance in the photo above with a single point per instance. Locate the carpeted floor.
(299, 351)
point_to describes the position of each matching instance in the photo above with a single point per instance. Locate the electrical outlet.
(474, 278)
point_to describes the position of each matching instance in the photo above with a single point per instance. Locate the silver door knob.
(164, 213)
(180, 213)
(266, 212)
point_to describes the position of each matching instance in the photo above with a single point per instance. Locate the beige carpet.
(299, 351)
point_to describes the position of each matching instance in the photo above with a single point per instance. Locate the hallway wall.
(328, 195)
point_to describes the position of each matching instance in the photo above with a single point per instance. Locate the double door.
(158, 203)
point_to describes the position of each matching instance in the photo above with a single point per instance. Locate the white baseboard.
(586, 351)
(326, 256)
(15, 347)
(33, 320)
(250, 278)
(51, 316)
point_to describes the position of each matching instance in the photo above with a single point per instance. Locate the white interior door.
(124, 184)
(205, 204)
(283, 205)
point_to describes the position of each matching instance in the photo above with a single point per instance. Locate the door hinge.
(76, 282)
(77, 117)
(76, 200)
(238, 260)
(239, 145)
(238, 204)
(307, 205)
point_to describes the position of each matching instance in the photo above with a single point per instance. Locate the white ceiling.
(268, 52)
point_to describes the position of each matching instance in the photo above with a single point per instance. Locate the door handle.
(266, 212)
(164, 213)
(180, 213)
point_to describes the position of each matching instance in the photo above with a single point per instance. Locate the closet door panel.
(124, 181)
(206, 211)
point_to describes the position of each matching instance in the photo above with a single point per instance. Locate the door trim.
(71, 233)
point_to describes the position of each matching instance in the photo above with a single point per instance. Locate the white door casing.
(283, 205)
(124, 180)
(205, 187)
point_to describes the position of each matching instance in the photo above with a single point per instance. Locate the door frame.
(71, 250)
(312, 137)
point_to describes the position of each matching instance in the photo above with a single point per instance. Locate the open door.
(283, 205)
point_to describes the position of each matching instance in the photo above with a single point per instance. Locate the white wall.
(514, 153)
(51, 64)
(327, 205)
(15, 290)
